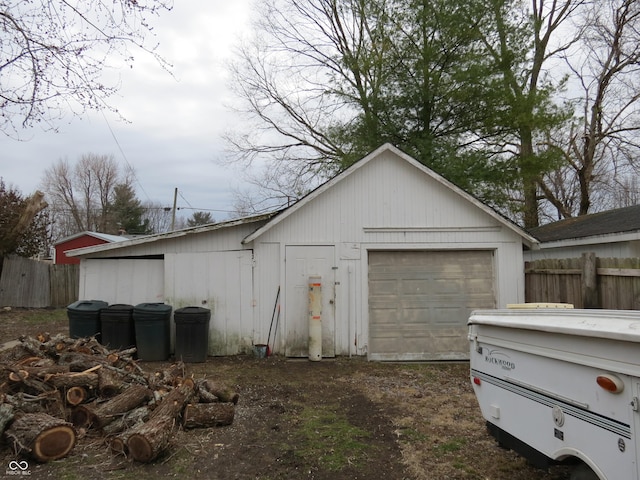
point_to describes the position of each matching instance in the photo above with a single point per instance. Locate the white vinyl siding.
(127, 281)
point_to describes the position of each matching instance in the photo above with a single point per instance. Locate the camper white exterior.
(537, 374)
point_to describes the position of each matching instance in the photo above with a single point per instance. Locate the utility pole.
(173, 215)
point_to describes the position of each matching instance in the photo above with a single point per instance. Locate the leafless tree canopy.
(80, 194)
(324, 80)
(53, 53)
(601, 146)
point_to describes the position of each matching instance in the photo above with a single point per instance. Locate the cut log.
(205, 415)
(42, 436)
(107, 412)
(128, 420)
(44, 372)
(76, 395)
(18, 375)
(148, 440)
(109, 382)
(21, 379)
(118, 445)
(88, 380)
(223, 392)
(172, 376)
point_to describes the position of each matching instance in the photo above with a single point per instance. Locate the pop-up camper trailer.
(561, 385)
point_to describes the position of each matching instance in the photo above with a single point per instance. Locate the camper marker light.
(477, 381)
(610, 383)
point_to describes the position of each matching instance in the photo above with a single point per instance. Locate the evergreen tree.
(127, 212)
(200, 218)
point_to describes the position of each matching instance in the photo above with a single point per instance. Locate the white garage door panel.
(419, 302)
(128, 281)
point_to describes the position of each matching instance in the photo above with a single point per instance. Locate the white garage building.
(403, 256)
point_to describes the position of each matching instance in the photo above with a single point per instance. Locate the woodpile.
(53, 388)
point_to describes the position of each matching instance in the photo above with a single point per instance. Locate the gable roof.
(528, 239)
(101, 236)
(620, 220)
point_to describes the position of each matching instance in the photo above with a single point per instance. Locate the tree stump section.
(103, 415)
(42, 436)
(109, 383)
(205, 415)
(148, 440)
(76, 395)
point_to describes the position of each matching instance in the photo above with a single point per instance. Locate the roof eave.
(80, 252)
(592, 240)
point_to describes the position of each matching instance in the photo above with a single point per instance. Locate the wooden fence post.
(589, 281)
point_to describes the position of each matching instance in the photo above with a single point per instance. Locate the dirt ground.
(337, 419)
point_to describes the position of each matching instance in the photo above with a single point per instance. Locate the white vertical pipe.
(315, 318)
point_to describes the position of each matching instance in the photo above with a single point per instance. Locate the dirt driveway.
(337, 419)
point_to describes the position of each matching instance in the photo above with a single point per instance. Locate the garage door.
(419, 302)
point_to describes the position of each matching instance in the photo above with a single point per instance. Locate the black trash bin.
(84, 318)
(117, 327)
(192, 333)
(153, 335)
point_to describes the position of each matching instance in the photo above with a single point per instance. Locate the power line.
(126, 160)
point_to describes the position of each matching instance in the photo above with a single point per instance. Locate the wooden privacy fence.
(586, 282)
(35, 284)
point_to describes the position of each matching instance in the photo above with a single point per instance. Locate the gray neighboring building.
(610, 234)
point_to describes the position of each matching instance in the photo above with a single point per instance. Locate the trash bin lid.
(88, 305)
(152, 308)
(193, 310)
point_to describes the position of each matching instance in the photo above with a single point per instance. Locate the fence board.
(619, 291)
(560, 281)
(24, 283)
(65, 280)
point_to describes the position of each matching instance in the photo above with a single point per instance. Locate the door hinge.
(635, 404)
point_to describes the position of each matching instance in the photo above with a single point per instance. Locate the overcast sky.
(173, 139)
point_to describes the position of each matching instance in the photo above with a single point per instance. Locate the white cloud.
(175, 122)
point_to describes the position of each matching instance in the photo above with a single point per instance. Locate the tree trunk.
(205, 415)
(148, 440)
(74, 379)
(42, 436)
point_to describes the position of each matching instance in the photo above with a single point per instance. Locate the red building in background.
(80, 240)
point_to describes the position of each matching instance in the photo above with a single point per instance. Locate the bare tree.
(461, 86)
(301, 79)
(53, 54)
(80, 195)
(602, 149)
(158, 216)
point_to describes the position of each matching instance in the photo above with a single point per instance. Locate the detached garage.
(398, 257)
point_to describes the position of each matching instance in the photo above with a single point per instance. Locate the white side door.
(303, 262)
